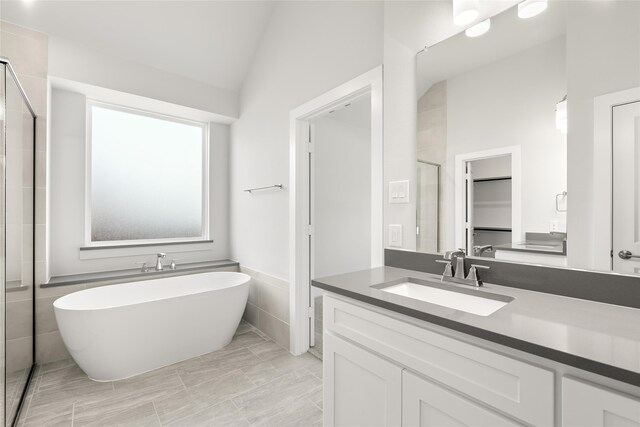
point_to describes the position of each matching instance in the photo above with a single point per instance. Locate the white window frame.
(205, 236)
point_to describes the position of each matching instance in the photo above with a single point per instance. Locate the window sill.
(114, 251)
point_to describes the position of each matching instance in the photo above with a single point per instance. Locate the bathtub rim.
(56, 303)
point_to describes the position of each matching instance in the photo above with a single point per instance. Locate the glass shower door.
(19, 220)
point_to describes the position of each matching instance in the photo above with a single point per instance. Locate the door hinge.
(309, 230)
(310, 312)
(611, 253)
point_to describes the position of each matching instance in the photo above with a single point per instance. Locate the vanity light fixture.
(561, 115)
(478, 29)
(465, 11)
(530, 8)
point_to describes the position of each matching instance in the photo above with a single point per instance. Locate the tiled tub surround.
(252, 381)
(50, 347)
(268, 307)
(601, 338)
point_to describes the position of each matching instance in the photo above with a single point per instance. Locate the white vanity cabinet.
(587, 405)
(426, 404)
(367, 351)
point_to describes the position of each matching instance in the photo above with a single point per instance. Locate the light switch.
(395, 235)
(399, 192)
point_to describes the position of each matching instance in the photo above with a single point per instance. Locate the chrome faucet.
(479, 250)
(159, 266)
(458, 275)
(459, 254)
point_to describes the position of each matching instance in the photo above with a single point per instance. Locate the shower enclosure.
(17, 241)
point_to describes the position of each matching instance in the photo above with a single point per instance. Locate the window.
(147, 177)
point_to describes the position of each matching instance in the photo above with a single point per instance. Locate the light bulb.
(465, 11)
(478, 29)
(531, 8)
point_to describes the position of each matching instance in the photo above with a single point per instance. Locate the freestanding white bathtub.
(118, 331)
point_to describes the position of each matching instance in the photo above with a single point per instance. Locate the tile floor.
(251, 382)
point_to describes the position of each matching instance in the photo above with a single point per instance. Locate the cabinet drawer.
(425, 404)
(585, 405)
(519, 389)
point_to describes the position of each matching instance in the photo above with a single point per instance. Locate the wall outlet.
(399, 192)
(557, 226)
(395, 235)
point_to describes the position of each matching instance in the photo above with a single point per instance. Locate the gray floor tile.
(316, 397)
(268, 350)
(177, 406)
(300, 412)
(291, 362)
(220, 415)
(56, 415)
(222, 388)
(244, 327)
(141, 415)
(276, 395)
(215, 364)
(245, 340)
(316, 369)
(264, 372)
(54, 366)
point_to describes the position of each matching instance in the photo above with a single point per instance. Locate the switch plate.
(399, 192)
(395, 235)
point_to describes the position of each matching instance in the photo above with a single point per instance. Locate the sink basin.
(467, 300)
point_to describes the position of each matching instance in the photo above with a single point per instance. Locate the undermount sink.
(467, 300)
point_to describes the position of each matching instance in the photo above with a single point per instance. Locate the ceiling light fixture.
(561, 115)
(478, 29)
(530, 8)
(465, 11)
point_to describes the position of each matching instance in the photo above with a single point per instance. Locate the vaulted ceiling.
(208, 41)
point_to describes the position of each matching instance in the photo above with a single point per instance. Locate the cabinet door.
(426, 404)
(360, 388)
(585, 405)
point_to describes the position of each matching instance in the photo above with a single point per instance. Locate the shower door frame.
(25, 98)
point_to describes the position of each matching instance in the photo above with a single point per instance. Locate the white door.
(585, 405)
(469, 209)
(360, 388)
(626, 188)
(425, 404)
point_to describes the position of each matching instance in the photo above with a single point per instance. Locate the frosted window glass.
(146, 177)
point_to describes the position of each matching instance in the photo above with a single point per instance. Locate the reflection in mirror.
(491, 142)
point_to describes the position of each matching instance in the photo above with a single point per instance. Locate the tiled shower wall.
(27, 52)
(268, 306)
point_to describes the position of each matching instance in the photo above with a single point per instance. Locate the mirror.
(495, 127)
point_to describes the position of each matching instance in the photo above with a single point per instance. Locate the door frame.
(602, 230)
(299, 179)
(516, 190)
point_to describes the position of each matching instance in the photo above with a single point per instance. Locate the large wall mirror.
(499, 119)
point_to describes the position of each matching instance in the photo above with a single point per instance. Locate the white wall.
(342, 191)
(512, 102)
(67, 169)
(603, 56)
(307, 49)
(73, 62)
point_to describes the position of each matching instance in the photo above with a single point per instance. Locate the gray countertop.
(597, 337)
(135, 273)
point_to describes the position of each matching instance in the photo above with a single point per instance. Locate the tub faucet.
(159, 266)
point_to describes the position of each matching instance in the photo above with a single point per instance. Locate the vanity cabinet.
(506, 385)
(426, 404)
(587, 405)
(365, 389)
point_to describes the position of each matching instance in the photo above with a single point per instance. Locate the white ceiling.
(209, 41)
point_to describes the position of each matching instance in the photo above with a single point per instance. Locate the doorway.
(626, 188)
(340, 195)
(335, 201)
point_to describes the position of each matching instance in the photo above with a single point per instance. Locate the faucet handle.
(144, 267)
(448, 270)
(473, 273)
(173, 265)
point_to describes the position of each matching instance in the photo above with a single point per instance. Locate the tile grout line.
(73, 412)
(155, 411)
(240, 411)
